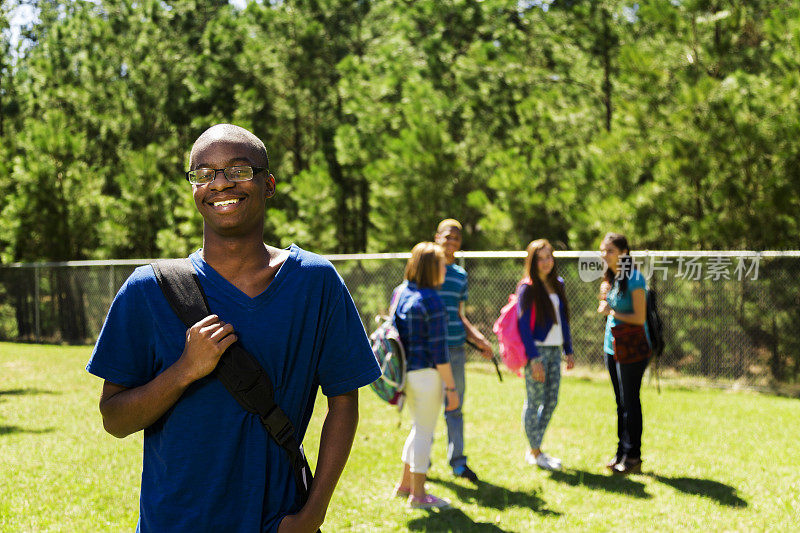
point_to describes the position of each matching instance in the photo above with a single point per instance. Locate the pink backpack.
(505, 327)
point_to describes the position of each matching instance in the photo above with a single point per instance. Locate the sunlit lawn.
(714, 460)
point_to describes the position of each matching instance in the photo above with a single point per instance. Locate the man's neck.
(248, 264)
(449, 259)
(228, 255)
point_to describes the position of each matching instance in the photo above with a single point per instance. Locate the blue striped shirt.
(421, 321)
(454, 291)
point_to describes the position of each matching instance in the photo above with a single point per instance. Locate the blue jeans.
(454, 418)
(541, 398)
(627, 382)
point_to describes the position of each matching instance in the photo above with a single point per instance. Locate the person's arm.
(474, 335)
(436, 323)
(446, 373)
(526, 335)
(128, 410)
(565, 331)
(524, 324)
(639, 314)
(335, 442)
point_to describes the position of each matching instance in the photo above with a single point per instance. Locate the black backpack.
(656, 329)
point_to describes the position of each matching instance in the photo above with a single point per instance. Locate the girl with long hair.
(623, 301)
(421, 320)
(543, 323)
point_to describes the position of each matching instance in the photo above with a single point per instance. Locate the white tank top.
(555, 337)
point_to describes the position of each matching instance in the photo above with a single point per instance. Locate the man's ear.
(270, 186)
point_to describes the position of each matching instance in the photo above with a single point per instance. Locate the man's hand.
(485, 348)
(128, 410)
(206, 341)
(452, 399)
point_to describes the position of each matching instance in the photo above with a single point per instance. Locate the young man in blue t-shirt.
(459, 329)
(208, 464)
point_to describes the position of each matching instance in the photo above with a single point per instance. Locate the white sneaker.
(544, 462)
(553, 461)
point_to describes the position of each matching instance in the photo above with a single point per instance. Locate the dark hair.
(538, 293)
(231, 133)
(624, 263)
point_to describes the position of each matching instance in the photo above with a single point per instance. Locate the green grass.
(714, 460)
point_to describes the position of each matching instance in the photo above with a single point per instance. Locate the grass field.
(714, 460)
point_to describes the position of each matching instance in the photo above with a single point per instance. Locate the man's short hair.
(230, 133)
(448, 223)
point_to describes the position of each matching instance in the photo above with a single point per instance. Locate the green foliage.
(671, 121)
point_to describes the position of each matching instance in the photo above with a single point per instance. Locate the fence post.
(36, 303)
(110, 283)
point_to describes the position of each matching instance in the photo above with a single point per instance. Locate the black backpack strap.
(238, 370)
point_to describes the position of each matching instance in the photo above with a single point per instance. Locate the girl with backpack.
(421, 321)
(543, 321)
(626, 346)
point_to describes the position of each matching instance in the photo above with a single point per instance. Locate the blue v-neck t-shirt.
(208, 464)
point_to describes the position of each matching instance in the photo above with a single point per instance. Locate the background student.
(542, 295)
(421, 321)
(623, 301)
(459, 329)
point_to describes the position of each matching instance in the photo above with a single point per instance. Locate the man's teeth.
(225, 202)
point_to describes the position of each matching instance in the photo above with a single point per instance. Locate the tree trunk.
(607, 85)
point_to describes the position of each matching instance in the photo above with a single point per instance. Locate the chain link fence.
(728, 316)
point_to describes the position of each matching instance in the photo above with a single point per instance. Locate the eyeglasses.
(206, 175)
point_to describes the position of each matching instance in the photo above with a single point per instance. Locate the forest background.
(674, 121)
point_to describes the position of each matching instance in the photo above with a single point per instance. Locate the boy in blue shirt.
(453, 293)
(208, 464)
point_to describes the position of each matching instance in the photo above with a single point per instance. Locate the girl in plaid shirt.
(421, 321)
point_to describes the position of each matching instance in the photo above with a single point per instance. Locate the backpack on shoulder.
(391, 356)
(506, 327)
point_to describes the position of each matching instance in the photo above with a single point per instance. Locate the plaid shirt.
(421, 321)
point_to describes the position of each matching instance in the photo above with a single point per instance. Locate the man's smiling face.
(231, 208)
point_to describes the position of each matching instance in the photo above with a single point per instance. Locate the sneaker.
(429, 501)
(554, 461)
(467, 473)
(544, 462)
(401, 492)
(628, 466)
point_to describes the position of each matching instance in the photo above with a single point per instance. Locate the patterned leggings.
(541, 397)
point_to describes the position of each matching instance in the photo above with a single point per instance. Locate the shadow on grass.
(724, 494)
(8, 430)
(488, 495)
(608, 483)
(450, 520)
(21, 392)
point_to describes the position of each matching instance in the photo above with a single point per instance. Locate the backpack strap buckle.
(278, 425)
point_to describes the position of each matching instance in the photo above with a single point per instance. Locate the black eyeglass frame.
(256, 170)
